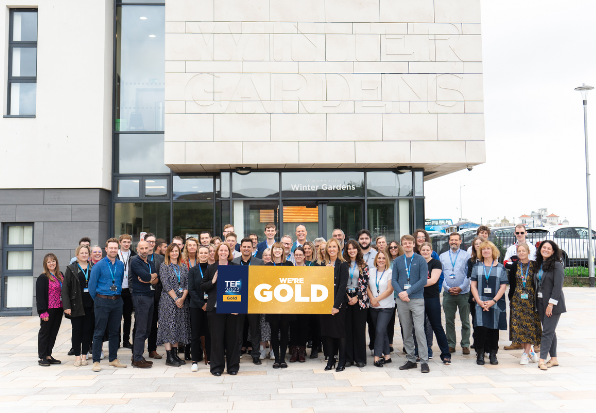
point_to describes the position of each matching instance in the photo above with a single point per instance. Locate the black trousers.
(152, 340)
(314, 324)
(48, 330)
(82, 332)
(299, 330)
(199, 326)
(143, 315)
(356, 333)
(486, 338)
(279, 338)
(127, 309)
(254, 323)
(371, 331)
(225, 349)
(391, 326)
(335, 346)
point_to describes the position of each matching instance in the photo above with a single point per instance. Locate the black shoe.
(283, 365)
(178, 359)
(493, 358)
(390, 350)
(216, 374)
(233, 373)
(320, 349)
(330, 364)
(309, 344)
(424, 368)
(256, 360)
(127, 345)
(348, 364)
(379, 363)
(44, 362)
(408, 365)
(52, 360)
(387, 361)
(276, 365)
(403, 350)
(71, 352)
(360, 365)
(314, 354)
(242, 352)
(171, 360)
(340, 368)
(480, 356)
(473, 346)
(326, 358)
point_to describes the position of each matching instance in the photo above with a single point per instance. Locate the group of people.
(172, 290)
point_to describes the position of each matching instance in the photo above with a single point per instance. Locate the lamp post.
(584, 89)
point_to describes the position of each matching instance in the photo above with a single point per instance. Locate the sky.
(534, 54)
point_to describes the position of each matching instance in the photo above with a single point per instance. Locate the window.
(134, 218)
(17, 272)
(22, 62)
(141, 153)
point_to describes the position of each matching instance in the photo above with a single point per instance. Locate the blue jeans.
(108, 314)
(381, 318)
(432, 307)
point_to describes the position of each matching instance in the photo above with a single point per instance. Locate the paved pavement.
(304, 387)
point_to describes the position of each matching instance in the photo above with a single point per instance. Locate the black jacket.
(194, 285)
(253, 261)
(158, 259)
(341, 273)
(42, 291)
(72, 298)
(209, 287)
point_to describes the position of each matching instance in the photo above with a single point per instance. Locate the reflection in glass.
(156, 187)
(322, 184)
(24, 61)
(223, 216)
(128, 188)
(405, 216)
(252, 216)
(140, 68)
(301, 212)
(255, 185)
(24, 26)
(193, 187)
(344, 215)
(22, 98)
(20, 235)
(19, 260)
(387, 183)
(419, 183)
(190, 218)
(225, 184)
(134, 218)
(383, 220)
(18, 292)
(141, 153)
(419, 213)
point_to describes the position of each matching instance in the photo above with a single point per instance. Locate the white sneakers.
(195, 367)
(534, 357)
(524, 359)
(101, 357)
(264, 353)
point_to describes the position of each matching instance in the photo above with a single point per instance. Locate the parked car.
(440, 241)
(573, 241)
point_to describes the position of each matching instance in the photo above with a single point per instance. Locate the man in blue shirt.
(105, 287)
(270, 231)
(456, 287)
(410, 273)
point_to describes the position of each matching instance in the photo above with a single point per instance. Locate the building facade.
(179, 117)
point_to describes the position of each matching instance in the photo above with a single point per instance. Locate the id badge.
(351, 290)
(487, 290)
(540, 294)
(524, 296)
(85, 290)
(180, 290)
(152, 288)
(451, 276)
(406, 286)
(205, 296)
(113, 288)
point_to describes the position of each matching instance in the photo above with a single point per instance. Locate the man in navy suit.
(270, 232)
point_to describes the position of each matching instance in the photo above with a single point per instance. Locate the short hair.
(339, 256)
(230, 252)
(482, 228)
(112, 240)
(215, 239)
(379, 237)
(96, 246)
(85, 239)
(427, 244)
(299, 225)
(80, 247)
(228, 226)
(283, 255)
(518, 226)
(270, 225)
(124, 236)
(160, 241)
(252, 234)
(407, 237)
(340, 230)
(266, 250)
(286, 236)
(387, 257)
(488, 244)
(205, 232)
(453, 234)
(320, 239)
(231, 234)
(246, 240)
(523, 244)
(178, 237)
(150, 234)
(363, 232)
(171, 247)
(300, 249)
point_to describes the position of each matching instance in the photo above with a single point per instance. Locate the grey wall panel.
(29, 213)
(7, 213)
(38, 235)
(66, 235)
(63, 256)
(72, 196)
(21, 196)
(88, 213)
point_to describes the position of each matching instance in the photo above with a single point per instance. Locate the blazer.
(72, 298)
(209, 287)
(194, 285)
(253, 261)
(42, 291)
(552, 288)
(341, 273)
(261, 246)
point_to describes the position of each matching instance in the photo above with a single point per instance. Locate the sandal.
(542, 366)
(551, 364)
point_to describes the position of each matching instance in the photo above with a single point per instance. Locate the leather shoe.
(155, 355)
(515, 346)
(466, 350)
(256, 360)
(452, 350)
(233, 373)
(216, 374)
(127, 345)
(52, 360)
(71, 352)
(409, 365)
(141, 364)
(424, 368)
(348, 364)
(360, 365)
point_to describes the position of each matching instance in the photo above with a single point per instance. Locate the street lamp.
(584, 89)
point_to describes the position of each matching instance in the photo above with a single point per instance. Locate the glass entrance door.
(344, 215)
(306, 213)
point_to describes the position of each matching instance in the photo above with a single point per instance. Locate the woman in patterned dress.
(489, 282)
(174, 315)
(525, 321)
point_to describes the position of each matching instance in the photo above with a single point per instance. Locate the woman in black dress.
(279, 322)
(333, 325)
(198, 305)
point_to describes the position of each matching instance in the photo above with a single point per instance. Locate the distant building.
(552, 219)
(539, 218)
(496, 223)
(565, 222)
(525, 219)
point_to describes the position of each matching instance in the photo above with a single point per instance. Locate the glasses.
(519, 233)
(420, 237)
(151, 242)
(286, 243)
(393, 248)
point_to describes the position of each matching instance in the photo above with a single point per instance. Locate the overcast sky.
(535, 53)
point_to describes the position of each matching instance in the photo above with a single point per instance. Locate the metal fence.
(573, 245)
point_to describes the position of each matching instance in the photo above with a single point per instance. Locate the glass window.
(18, 292)
(344, 215)
(383, 219)
(405, 217)
(141, 153)
(252, 216)
(387, 183)
(128, 188)
(255, 185)
(193, 187)
(419, 183)
(19, 260)
(140, 68)
(136, 217)
(301, 212)
(322, 184)
(225, 184)
(22, 98)
(24, 61)
(190, 218)
(419, 213)
(20, 235)
(223, 216)
(156, 187)
(22, 58)
(24, 26)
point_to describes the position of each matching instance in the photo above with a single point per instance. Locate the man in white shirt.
(125, 254)
(286, 241)
(300, 237)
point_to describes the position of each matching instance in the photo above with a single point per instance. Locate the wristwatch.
(495, 301)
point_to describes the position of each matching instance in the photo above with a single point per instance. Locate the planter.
(576, 282)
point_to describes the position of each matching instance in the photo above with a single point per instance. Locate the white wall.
(323, 83)
(69, 143)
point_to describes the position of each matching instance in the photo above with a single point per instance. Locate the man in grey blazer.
(253, 319)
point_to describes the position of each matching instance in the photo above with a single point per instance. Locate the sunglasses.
(519, 233)
(393, 248)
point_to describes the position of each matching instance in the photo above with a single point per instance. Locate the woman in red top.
(49, 307)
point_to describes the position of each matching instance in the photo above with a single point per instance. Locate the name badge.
(540, 294)
(85, 290)
(524, 296)
(452, 277)
(151, 287)
(205, 296)
(180, 289)
(406, 286)
(113, 288)
(351, 290)
(487, 290)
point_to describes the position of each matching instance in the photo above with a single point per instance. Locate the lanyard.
(111, 270)
(177, 271)
(188, 264)
(487, 276)
(149, 266)
(200, 269)
(122, 259)
(453, 262)
(524, 276)
(352, 270)
(408, 267)
(57, 279)
(540, 272)
(242, 262)
(254, 254)
(377, 280)
(86, 274)
(151, 257)
(309, 263)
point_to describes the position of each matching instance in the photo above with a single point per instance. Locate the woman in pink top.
(49, 307)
